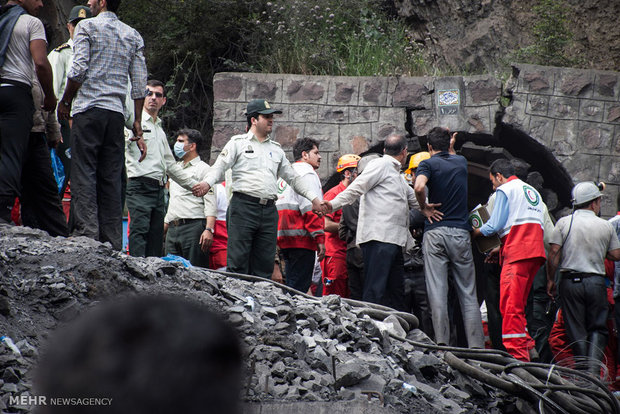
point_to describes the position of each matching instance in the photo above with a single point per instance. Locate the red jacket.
(298, 226)
(334, 246)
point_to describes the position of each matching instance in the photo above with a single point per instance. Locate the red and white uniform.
(217, 252)
(298, 226)
(522, 253)
(334, 266)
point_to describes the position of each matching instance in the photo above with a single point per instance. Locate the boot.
(6, 206)
(596, 350)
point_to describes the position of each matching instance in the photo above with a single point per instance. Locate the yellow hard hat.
(416, 159)
(347, 161)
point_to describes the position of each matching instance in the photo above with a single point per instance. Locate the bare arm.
(613, 255)
(553, 260)
(44, 72)
(428, 209)
(331, 226)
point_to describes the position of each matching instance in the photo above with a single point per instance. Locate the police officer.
(252, 219)
(579, 245)
(61, 59)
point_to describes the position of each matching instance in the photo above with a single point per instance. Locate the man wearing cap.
(334, 266)
(107, 53)
(252, 219)
(518, 219)
(61, 58)
(579, 245)
(146, 179)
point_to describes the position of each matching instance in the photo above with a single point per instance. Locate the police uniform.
(60, 60)
(252, 217)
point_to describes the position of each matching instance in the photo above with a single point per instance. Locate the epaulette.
(62, 47)
(276, 142)
(237, 137)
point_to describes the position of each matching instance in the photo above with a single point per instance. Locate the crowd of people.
(400, 239)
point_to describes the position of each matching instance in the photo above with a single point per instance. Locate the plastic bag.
(58, 169)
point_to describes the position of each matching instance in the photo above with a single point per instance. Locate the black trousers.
(40, 204)
(184, 241)
(16, 110)
(97, 161)
(383, 274)
(299, 266)
(147, 210)
(416, 298)
(252, 235)
(585, 308)
(355, 271)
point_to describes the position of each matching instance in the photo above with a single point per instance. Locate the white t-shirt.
(18, 64)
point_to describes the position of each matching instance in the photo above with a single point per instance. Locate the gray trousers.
(449, 248)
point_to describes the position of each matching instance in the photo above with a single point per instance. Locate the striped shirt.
(105, 52)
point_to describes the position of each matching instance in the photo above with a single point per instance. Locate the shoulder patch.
(62, 47)
(210, 192)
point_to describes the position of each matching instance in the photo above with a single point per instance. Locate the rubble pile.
(297, 349)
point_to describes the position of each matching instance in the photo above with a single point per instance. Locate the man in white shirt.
(383, 225)
(22, 54)
(146, 179)
(256, 162)
(190, 220)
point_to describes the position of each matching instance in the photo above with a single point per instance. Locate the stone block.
(537, 104)
(241, 109)
(261, 86)
(306, 89)
(412, 93)
(607, 85)
(564, 140)
(326, 134)
(354, 138)
(422, 122)
(591, 110)
(563, 108)
(381, 130)
(333, 114)
(612, 112)
(581, 166)
(541, 129)
(536, 79)
(343, 91)
(363, 114)
(575, 82)
(515, 114)
(616, 144)
(595, 138)
(303, 113)
(222, 131)
(373, 91)
(608, 203)
(610, 170)
(224, 111)
(395, 116)
(482, 90)
(479, 119)
(228, 87)
(287, 134)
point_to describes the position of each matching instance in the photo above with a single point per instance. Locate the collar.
(70, 43)
(304, 167)
(146, 116)
(394, 161)
(192, 162)
(107, 15)
(585, 211)
(511, 178)
(251, 136)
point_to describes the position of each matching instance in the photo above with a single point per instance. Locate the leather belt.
(148, 181)
(181, 222)
(261, 201)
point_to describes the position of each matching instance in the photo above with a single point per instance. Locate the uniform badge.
(249, 150)
(210, 192)
(82, 14)
(224, 152)
(267, 105)
(531, 196)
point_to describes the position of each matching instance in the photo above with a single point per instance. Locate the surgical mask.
(178, 149)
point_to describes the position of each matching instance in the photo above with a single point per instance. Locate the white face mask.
(178, 149)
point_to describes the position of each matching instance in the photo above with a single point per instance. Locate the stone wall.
(575, 114)
(351, 114)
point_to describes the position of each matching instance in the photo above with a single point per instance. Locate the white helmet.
(586, 191)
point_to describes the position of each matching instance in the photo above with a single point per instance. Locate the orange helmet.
(347, 161)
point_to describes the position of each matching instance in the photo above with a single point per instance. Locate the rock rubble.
(297, 350)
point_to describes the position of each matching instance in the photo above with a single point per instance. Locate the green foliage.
(333, 37)
(552, 35)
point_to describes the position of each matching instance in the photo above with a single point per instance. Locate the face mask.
(178, 149)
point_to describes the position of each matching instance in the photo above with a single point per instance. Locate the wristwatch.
(210, 229)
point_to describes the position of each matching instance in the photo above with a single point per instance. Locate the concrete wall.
(574, 113)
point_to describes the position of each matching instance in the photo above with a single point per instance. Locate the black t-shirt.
(447, 184)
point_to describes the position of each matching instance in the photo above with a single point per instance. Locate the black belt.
(19, 84)
(577, 275)
(261, 201)
(148, 181)
(181, 222)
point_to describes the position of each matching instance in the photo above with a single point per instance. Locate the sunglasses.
(157, 94)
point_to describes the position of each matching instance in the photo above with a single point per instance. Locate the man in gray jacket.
(382, 229)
